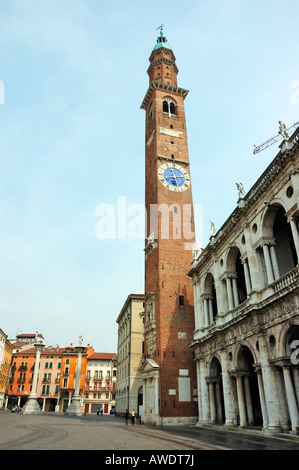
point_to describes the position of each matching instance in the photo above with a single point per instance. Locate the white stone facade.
(246, 284)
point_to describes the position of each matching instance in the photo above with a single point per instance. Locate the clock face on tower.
(174, 177)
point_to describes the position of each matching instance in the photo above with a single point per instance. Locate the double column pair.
(208, 310)
(244, 399)
(232, 291)
(271, 261)
(216, 411)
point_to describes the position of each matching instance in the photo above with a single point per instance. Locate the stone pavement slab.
(51, 431)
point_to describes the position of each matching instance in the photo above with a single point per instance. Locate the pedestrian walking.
(127, 414)
(98, 411)
(102, 411)
(133, 417)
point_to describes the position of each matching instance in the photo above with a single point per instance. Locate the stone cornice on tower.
(162, 86)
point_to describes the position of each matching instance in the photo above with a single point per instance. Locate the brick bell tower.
(169, 371)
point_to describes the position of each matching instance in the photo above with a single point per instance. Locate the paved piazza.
(50, 431)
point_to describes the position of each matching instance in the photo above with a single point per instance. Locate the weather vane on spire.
(160, 27)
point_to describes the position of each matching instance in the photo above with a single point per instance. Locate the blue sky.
(72, 138)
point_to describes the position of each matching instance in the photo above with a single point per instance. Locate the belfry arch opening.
(169, 107)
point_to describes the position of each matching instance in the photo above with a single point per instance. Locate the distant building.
(56, 375)
(129, 389)
(68, 375)
(100, 385)
(49, 377)
(21, 376)
(6, 349)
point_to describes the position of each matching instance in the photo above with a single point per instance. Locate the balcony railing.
(288, 280)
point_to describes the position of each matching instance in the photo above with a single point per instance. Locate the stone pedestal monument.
(76, 408)
(31, 406)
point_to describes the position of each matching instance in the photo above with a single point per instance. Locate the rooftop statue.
(283, 130)
(241, 190)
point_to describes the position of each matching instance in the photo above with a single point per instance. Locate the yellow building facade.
(6, 349)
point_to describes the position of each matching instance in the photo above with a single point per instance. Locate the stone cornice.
(155, 85)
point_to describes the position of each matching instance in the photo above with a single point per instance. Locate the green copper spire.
(162, 40)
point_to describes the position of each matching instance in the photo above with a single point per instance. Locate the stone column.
(57, 404)
(196, 306)
(206, 311)
(235, 292)
(199, 390)
(274, 262)
(31, 407)
(227, 391)
(241, 401)
(291, 398)
(229, 293)
(262, 399)
(271, 397)
(268, 263)
(212, 401)
(199, 308)
(247, 277)
(295, 233)
(144, 397)
(76, 407)
(219, 402)
(211, 313)
(204, 392)
(249, 406)
(157, 395)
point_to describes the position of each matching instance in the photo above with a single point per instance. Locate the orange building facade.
(56, 377)
(68, 375)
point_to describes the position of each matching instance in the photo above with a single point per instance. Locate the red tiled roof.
(45, 352)
(104, 356)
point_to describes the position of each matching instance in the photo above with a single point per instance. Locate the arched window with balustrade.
(278, 245)
(235, 278)
(210, 299)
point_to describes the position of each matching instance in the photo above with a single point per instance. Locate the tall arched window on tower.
(169, 107)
